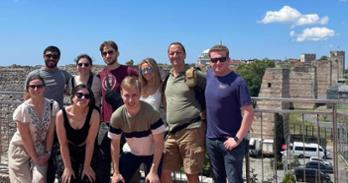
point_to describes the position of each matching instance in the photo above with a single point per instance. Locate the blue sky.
(276, 29)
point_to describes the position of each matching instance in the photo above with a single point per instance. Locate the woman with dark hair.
(77, 127)
(85, 76)
(31, 145)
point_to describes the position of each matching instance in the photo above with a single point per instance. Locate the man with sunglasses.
(227, 98)
(184, 145)
(55, 78)
(55, 84)
(111, 77)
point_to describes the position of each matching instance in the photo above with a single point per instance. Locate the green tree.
(130, 62)
(323, 58)
(253, 72)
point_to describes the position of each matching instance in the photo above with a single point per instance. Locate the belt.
(183, 126)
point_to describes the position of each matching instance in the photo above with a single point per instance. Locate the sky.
(274, 29)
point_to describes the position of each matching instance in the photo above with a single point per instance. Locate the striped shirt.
(138, 129)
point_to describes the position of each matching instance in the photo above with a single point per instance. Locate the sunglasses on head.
(81, 95)
(36, 86)
(221, 59)
(110, 52)
(54, 56)
(146, 70)
(83, 64)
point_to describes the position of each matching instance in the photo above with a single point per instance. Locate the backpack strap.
(164, 84)
(90, 80)
(72, 83)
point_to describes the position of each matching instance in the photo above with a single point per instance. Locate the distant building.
(203, 59)
(338, 91)
(307, 57)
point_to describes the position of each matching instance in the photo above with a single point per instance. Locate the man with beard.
(55, 80)
(111, 77)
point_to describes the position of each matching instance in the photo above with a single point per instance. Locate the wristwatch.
(236, 139)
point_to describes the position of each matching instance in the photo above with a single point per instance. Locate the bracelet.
(236, 139)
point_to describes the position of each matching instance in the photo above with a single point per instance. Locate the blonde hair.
(152, 62)
(130, 82)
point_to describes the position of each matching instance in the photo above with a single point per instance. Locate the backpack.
(192, 82)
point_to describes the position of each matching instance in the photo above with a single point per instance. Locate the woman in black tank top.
(77, 126)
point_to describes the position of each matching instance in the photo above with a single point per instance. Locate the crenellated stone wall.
(302, 84)
(301, 80)
(275, 84)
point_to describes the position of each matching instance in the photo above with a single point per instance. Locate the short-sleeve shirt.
(224, 98)
(182, 105)
(138, 129)
(115, 78)
(25, 113)
(55, 81)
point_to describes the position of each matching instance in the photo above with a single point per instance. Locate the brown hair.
(152, 62)
(179, 44)
(218, 48)
(110, 43)
(91, 96)
(26, 94)
(84, 56)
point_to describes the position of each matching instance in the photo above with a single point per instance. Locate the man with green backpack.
(184, 145)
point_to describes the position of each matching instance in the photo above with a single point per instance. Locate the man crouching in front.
(143, 129)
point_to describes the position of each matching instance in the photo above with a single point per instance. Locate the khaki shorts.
(185, 148)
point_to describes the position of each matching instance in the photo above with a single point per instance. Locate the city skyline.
(251, 29)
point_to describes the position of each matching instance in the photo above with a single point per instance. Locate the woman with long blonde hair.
(151, 83)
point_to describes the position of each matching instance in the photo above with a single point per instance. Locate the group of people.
(114, 116)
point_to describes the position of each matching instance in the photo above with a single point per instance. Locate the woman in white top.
(151, 83)
(85, 76)
(31, 145)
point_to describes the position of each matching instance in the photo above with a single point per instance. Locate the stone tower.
(338, 64)
(275, 84)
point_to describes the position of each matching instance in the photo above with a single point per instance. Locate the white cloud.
(313, 34)
(292, 16)
(284, 15)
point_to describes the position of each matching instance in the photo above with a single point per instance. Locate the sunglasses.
(147, 70)
(54, 56)
(80, 95)
(35, 86)
(83, 64)
(110, 52)
(221, 59)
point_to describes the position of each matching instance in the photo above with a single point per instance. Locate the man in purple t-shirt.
(227, 98)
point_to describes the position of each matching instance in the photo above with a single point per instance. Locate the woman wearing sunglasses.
(31, 145)
(150, 80)
(77, 127)
(86, 76)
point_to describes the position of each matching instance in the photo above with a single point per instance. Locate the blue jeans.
(226, 163)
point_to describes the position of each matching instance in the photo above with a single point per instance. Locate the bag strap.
(90, 80)
(72, 83)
